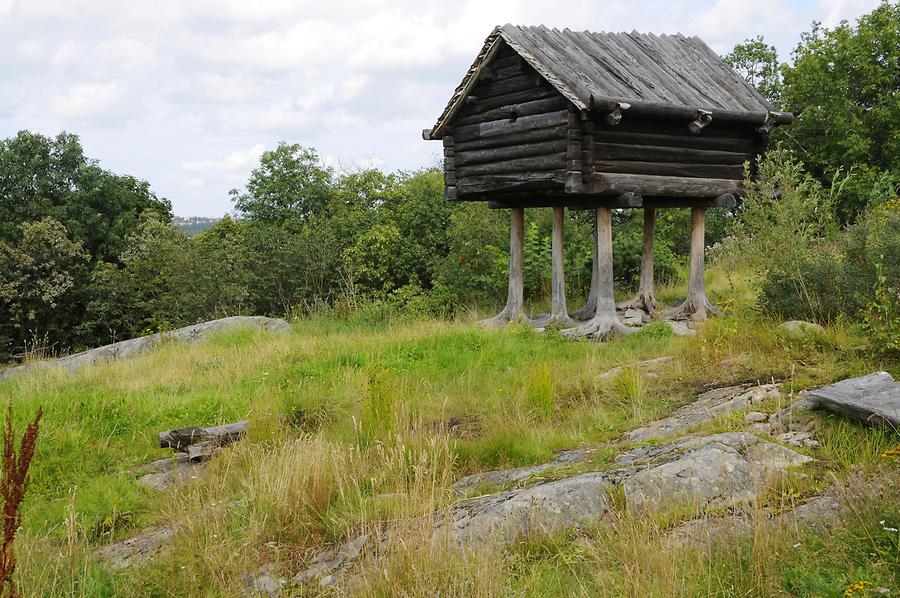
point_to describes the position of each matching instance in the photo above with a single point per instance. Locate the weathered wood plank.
(539, 106)
(668, 186)
(507, 126)
(180, 439)
(509, 152)
(700, 142)
(634, 124)
(714, 171)
(652, 153)
(555, 161)
(476, 104)
(534, 136)
(520, 82)
(522, 180)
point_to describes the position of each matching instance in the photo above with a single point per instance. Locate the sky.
(187, 94)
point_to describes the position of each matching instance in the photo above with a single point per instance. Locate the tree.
(844, 89)
(290, 183)
(42, 178)
(36, 275)
(757, 63)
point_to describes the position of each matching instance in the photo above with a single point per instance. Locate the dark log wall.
(511, 135)
(648, 147)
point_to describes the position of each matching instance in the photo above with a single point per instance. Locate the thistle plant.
(13, 483)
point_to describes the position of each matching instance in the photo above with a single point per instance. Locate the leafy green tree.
(36, 276)
(153, 289)
(222, 271)
(844, 88)
(290, 183)
(42, 178)
(757, 63)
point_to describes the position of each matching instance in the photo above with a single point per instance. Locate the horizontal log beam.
(540, 106)
(532, 136)
(697, 142)
(521, 82)
(650, 153)
(665, 186)
(508, 182)
(686, 113)
(510, 152)
(743, 132)
(508, 126)
(476, 104)
(555, 161)
(712, 171)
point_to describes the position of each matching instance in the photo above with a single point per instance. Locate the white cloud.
(6, 6)
(67, 53)
(238, 160)
(86, 100)
(126, 53)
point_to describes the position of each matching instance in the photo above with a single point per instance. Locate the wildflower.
(890, 529)
(857, 587)
(797, 545)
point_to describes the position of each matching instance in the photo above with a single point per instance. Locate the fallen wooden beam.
(181, 439)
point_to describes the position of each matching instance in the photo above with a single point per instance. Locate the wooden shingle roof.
(647, 72)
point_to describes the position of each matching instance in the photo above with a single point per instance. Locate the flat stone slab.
(500, 477)
(708, 406)
(145, 344)
(873, 399)
(136, 551)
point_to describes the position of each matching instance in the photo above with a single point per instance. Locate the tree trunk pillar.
(696, 306)
(590, 306)
(558, 313)
(604, 323)
(515, 299)
(646, 297)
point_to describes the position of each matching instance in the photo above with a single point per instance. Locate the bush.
(850, 278)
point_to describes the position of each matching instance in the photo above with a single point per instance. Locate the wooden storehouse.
(549, 118)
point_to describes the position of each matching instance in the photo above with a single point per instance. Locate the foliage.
(843, 89)
(36, 276)
(850, 278)
(785, 217)
(290, 183)
(757, 63)
(13, 484)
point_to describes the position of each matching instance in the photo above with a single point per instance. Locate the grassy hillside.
(358, 424)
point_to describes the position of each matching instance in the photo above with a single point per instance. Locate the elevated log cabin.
(549, 118)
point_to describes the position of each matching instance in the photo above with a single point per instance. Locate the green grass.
(356, 424)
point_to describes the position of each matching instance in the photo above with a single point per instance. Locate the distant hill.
(193, 225)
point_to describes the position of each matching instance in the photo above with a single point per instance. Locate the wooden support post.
(696, 306)
(558, 314)
(646, 298)
(515, 299)
(604, 323)
(590, 306)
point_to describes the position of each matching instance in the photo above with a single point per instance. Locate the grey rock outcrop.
(145, 344)
(173, 471)
(873, 399)
(718, 470)
(708, 406)
(138, 550)
(501, 477)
